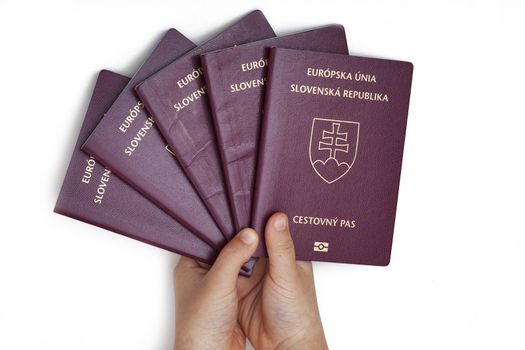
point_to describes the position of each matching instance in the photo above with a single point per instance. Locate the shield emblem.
(333, 147)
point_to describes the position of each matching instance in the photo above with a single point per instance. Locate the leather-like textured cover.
(139, 155)
(235, 78)
(331, 151)
(92, 194)
(176, 96)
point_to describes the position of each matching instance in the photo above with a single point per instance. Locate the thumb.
(225, 269)
(279, 243)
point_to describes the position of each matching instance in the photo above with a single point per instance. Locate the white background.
(457, 276)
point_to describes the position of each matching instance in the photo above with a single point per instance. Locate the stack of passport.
(205, 140)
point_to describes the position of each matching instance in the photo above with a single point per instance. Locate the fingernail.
(248, 236)
(280, 224)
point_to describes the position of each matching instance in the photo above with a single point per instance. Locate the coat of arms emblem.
(333, 147)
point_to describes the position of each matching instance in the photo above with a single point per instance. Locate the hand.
(275, 309)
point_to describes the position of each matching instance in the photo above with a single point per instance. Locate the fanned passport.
(127, 141)
(91, 193)
(236, 78)
(331, 151)
(176, 96)
(205, 140)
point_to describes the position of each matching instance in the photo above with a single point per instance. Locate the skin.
(276, 308)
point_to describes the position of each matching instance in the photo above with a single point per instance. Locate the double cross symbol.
(332, 141)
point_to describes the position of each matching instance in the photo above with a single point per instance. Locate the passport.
(236, 79)
(93, 194)
(331, 151)
(127, 142)
(177, 98)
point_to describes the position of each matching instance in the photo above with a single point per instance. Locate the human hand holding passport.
(210, 140)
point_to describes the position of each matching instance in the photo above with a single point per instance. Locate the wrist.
(312, 339)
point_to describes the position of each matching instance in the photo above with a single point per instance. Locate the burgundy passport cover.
(235, 78)
(330, 153)
(176, 97)
(92, 194)
(127, 142)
